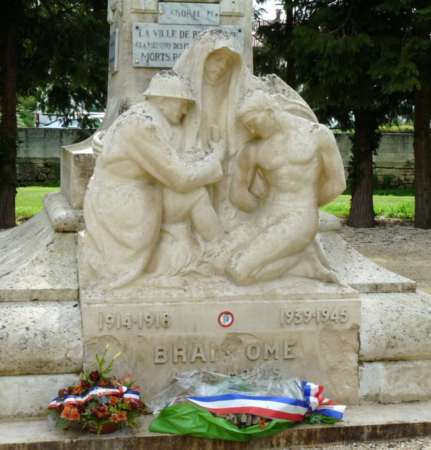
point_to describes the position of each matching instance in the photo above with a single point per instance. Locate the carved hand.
(219, 149)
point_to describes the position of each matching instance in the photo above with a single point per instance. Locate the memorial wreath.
(99, 403)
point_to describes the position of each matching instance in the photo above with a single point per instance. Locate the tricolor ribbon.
(96, 391)
(273, 407)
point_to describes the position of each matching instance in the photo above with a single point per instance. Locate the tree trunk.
(290, 75)
(8, 123)
(422, 149)
(365, 142)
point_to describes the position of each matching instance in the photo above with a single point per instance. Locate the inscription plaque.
(144, 6)
(323, 315)
(159, 45)
(311, 339)
(211, 352)
(189, 13)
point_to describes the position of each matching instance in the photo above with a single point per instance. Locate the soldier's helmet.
(168, 83)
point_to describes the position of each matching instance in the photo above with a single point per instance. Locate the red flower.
(133, 403)
(70, 413)
(120, 416)
(85, 385)
(94, 376)
(101, 412)
(104, 382)
(76, 390)
(114, 400)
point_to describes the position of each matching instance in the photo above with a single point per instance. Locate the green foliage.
(386, 205)
(398, 203)
(349, 56)
(26, 111)
(56, 52)
(356, 62)
(104, 365)
(62, 56)
(396, 128)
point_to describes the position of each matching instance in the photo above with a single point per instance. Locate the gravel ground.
(398, 247)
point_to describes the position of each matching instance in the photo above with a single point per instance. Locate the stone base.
(38, 279)
(362, 423)
(39, 338)
(63, 218)
(77, 165)
(316, 340)
(37, 264)
(29, 395)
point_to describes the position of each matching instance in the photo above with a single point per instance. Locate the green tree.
(340, 50)
(406, 70)
(417, 46)
(26, 108)
(55, 51)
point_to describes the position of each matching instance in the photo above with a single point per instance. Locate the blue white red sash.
(97, 391)
(274, 407)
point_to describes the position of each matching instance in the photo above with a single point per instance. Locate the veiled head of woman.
(219, 64)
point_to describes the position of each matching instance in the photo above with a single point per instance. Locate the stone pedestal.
(77, 165)
(280, 330)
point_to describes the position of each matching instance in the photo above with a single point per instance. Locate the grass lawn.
(29, 202)
(391, 206)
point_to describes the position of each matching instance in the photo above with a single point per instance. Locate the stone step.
(359, 272)
(40, 338)
(366, 422)
(37, 264)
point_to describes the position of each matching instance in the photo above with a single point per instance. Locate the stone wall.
(394, 162)
(39, 155)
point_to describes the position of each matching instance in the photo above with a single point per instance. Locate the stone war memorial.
(187, 235)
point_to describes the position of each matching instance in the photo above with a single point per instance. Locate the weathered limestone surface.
(328, 222)
(26, 396)
(126, 82)
(36, 263)
(317, 340)
(62, 216)
(359, 272)
(395, 382)
(396, 327)
(77, 165)
(40, 338)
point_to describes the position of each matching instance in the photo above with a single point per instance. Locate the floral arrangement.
(100, 403)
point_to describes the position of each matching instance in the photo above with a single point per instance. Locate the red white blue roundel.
(225, 319)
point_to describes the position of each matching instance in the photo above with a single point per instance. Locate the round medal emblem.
(225, 319)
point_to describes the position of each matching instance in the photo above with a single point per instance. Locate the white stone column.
(126, 81)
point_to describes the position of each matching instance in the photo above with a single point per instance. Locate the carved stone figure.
(210, 186)
(301, 166)
(115, 10)
(140, 182)
(220, 80)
